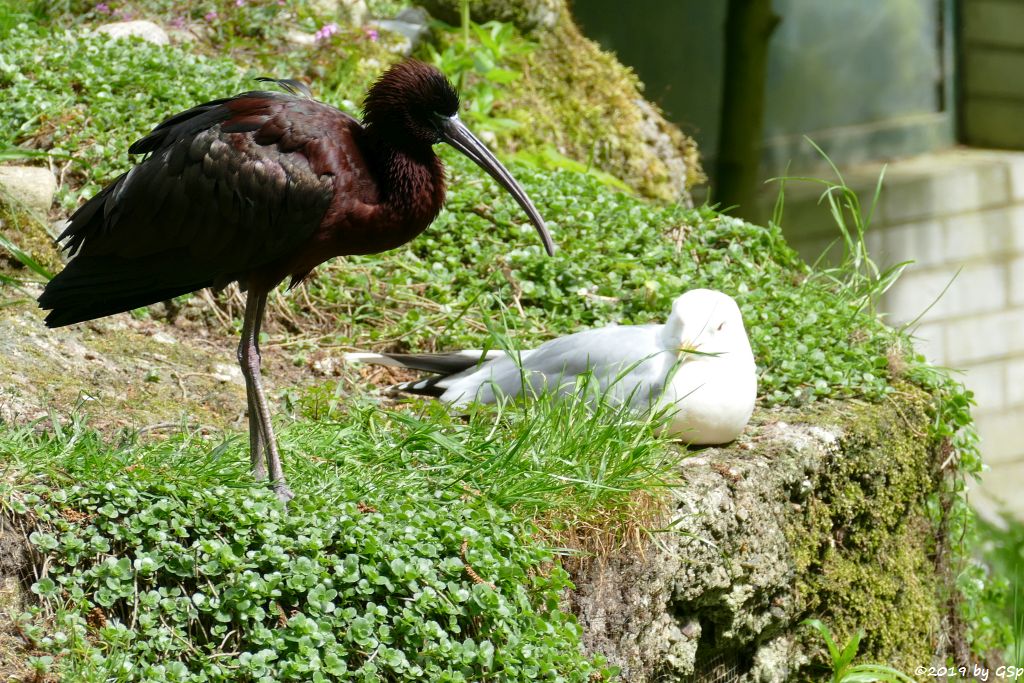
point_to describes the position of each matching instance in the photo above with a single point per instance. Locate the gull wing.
(628, 363)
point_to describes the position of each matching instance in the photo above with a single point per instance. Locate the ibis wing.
(227, 186)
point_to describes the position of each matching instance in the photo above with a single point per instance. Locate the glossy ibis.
(698, 367)
(260, 187)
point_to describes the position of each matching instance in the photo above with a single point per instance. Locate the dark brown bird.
(260, 187)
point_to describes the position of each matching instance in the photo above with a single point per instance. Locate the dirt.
(124, 372)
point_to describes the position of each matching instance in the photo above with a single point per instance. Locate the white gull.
(698, 367)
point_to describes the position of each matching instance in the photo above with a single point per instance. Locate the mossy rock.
(26, 230)
(526, 15)
(817, 513)
(584, 103)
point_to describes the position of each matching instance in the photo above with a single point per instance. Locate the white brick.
(1015, 162)
(1015, 222)
(983, 234)
(930, 339)
(811, 249)
(944, 188)
(987, 382)
(985, 337)
(921, 243)
(1000, 437)
(1014, 369)
(1016, 283)
(978, 288)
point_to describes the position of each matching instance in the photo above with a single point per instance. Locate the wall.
(866, 80)
(959, 215)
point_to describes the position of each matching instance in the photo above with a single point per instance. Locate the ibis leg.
(261, 429)
(256, 431)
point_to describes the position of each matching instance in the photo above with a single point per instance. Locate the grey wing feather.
(627, 361)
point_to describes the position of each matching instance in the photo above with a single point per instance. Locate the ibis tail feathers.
(91, 288)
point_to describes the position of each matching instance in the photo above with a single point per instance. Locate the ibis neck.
(410, 178)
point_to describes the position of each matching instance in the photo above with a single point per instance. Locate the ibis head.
(414, 107)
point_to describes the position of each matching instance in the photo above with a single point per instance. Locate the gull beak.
(455, 133)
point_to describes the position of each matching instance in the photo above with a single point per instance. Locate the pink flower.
(239, 3)
(325, 32)
(178, 22)
(210, 16)
(372, 34)
(103, 8)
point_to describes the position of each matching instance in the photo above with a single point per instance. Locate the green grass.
(158, 512)
(88, 97)
(621, 259)
(1000, 551)
(841, 660)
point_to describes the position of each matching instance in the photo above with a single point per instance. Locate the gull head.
(705, 322)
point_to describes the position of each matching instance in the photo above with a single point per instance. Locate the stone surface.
(353, 12)
(118, 371)
(294, 35)
(147, 30)
(788, 524)
(32, 186)
(409, 28)
(14, 597)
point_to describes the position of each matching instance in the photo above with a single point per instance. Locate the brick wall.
(959, 215)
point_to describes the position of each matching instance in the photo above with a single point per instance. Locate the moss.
(526, 15)
(27, 232)
(863, 543)
(581, 100)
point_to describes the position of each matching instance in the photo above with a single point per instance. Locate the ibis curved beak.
(455, 133)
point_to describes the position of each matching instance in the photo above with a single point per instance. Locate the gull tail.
(443, 365)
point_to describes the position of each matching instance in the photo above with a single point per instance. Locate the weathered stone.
(823, 516)
(354, 12)
(147, 30)
(31, 186)
(526, 15)
(14, 597)
(294, 35)
(410, 27)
